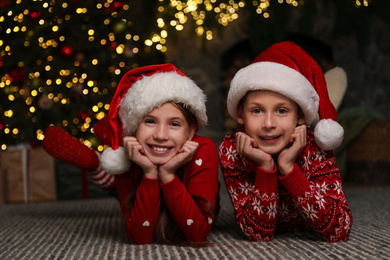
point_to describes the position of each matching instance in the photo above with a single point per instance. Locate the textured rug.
(93, 229)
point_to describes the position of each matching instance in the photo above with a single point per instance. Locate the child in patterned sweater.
(279, 172)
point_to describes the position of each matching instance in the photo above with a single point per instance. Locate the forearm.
(321, 202)
(193, 222)
(141, 219)
(255, 205)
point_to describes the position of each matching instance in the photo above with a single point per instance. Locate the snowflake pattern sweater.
(310, 195)
(200, 178)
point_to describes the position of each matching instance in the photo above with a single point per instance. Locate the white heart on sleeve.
(146, 224)
(189, 222)
(198, 162)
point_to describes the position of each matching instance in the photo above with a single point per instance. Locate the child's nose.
(269, 121)
(161, 132)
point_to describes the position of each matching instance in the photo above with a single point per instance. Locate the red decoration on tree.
(82, 115)
(67, 51)
(36, 15)
(17, 75)
(115, 6)
(1, 123)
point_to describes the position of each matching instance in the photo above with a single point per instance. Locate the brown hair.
(167, 231)
(192, 120)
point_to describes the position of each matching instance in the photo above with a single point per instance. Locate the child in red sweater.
(166, 176)
(280, 173)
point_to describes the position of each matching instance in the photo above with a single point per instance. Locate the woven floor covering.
(93, 229)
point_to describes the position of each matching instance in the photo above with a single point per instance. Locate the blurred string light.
(360, 3)
(200, 13)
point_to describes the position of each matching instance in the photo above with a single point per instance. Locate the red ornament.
(17, 75)
(82, 115)
(36, 15)
(67, 51)
(114, 45)
(115, 6)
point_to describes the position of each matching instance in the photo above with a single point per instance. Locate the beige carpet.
(93, 230)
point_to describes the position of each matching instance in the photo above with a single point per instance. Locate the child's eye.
(149, 121)
(175, 124)
(281, 111)
(256, 111)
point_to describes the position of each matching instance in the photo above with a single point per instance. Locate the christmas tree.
(60, 62)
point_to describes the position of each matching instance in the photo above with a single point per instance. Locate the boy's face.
(163, 132)
(270, 118)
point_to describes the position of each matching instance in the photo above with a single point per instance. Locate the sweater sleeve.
(253, 192)
(141, 219)
(317, 191)
(200, 179)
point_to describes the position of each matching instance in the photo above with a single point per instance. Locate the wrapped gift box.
(27, 175)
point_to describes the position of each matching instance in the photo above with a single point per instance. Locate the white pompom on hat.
(287, 69)
(138, 93)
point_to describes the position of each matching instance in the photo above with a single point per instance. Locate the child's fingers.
(298, 138)
(132, 148)
(244, 142)
(189, 146)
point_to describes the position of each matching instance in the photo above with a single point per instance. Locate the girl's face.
(270, 118)
(163, 132)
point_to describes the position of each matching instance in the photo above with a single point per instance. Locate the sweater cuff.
(266, 181)
(295, 182)
(171, 187)
(150, 184)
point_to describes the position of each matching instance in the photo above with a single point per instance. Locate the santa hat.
(138, 93)
(286, 69)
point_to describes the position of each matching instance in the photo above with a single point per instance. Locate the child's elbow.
(199, 236)
(338, 235)
(138, 238)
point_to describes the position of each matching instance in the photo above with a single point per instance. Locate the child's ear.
(240, 118)
(191, 132)
(301, 118)
(301, 121)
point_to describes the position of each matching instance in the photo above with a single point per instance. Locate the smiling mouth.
(269, 138)
(159, 149)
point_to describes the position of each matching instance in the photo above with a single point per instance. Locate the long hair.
(167, 231)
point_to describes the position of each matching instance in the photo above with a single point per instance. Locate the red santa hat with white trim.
(287, 69)
(138, 93)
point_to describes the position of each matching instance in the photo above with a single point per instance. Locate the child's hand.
(134, 152)
(247, 146)
(288, 156)
(185, 154)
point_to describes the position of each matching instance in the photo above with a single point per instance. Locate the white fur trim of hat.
(153, 91)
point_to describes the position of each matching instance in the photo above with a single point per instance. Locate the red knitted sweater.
(310, 195)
